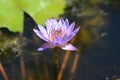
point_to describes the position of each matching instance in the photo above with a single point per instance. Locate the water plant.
(57, 34)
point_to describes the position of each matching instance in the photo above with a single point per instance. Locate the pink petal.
(68, 46)
(46, 46)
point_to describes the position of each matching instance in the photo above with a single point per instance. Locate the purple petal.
(40, 34)
(68, 46)
(51, 24)
(63, 24)
(76, 31)
(60, 22)
(54, 22)
(58, 41)
(48, 26)
(67, 23)
(43, 30)
(70, 28)
(46, 46)
(70, 36)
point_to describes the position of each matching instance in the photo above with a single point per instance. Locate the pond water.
(98, 41)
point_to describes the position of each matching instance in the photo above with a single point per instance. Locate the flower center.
(56, 32)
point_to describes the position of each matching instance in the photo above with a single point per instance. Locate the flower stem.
(56, 64)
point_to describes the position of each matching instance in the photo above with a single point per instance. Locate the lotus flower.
(57, 34)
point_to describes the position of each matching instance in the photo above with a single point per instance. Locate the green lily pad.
(12, 12)
(10, 16)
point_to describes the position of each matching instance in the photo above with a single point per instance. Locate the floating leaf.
(11, 14)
